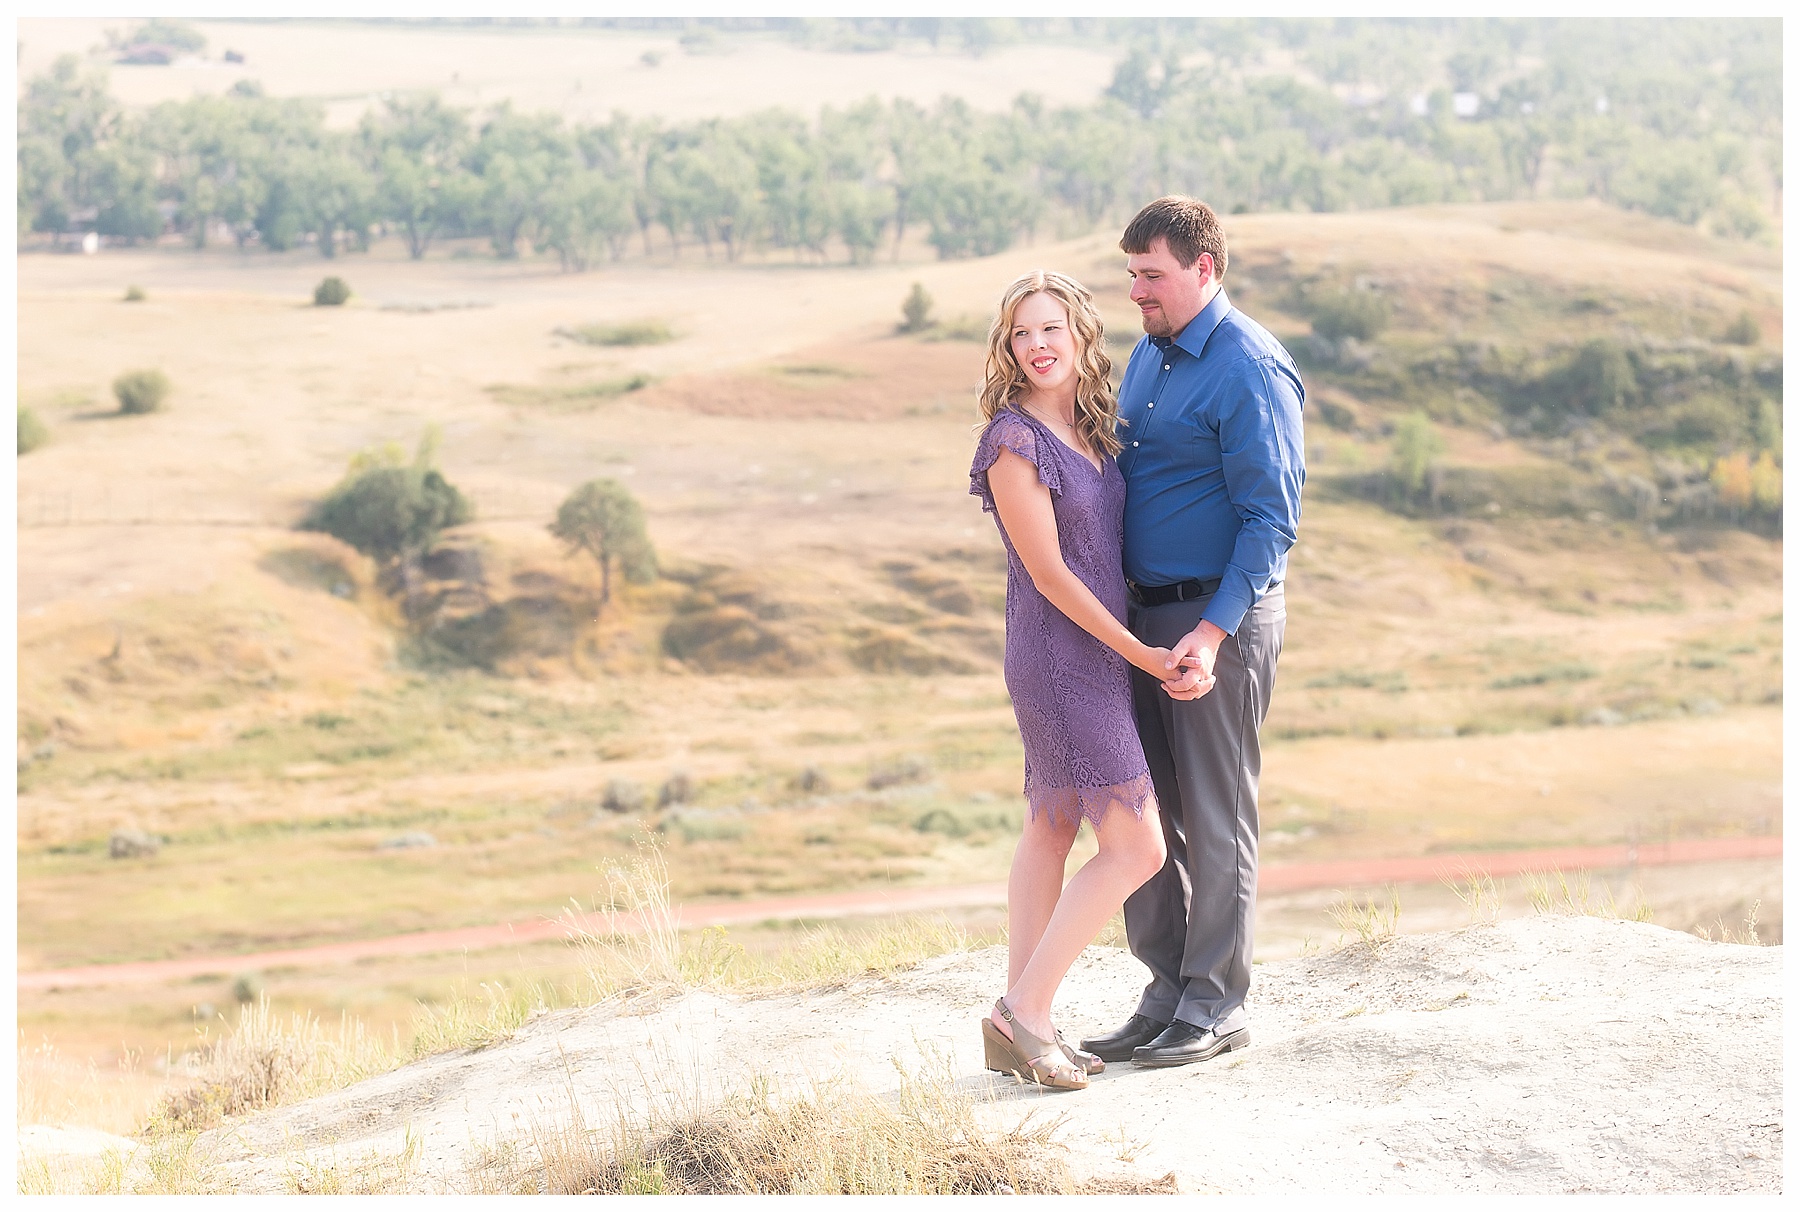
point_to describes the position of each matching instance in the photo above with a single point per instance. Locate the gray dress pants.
(1191, 923)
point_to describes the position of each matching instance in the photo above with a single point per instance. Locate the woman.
(1044, 466)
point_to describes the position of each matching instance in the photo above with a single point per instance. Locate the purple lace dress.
(1070, 692)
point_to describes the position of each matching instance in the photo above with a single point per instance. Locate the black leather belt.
(1181, 591)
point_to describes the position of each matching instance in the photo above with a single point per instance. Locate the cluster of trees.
(394, 510)
(1682, 119)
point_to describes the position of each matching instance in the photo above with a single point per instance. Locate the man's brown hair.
(1188, 224)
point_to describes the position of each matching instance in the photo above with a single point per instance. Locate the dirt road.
(1289, 877)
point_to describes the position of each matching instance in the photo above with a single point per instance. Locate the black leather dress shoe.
(1119, 1045)
(1183, 1044)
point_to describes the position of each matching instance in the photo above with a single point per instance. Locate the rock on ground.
(1549, 1054)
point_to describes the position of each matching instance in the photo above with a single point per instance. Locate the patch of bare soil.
(879, 379)
(1547, 1054)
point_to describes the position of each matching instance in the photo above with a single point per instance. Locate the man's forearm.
(1259, 550)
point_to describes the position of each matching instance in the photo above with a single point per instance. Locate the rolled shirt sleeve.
(1262, 454)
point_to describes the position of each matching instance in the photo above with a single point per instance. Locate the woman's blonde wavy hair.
(1096, 411)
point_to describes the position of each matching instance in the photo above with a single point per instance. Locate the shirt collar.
(1193, 338)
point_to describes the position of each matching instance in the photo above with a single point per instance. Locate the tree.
(1765, 484)
(603, 519)
(1732, 479)
(66, 120)
(418, 147)
(165, 31)
(586, 212)
(392, 514)
(388, 513)
(516, 160)
(916, 307)
(33, 433)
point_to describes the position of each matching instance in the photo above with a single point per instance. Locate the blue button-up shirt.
(1213, 459)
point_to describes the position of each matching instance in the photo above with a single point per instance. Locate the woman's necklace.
(1063, 430)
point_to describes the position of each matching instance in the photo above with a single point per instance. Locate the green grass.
(1572, 671)
(574, 397)
(452, 721)
(817, 370)
(633, 333)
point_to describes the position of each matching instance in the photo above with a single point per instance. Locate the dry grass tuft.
(1557, 892)
(55, 1089)
(1747, 936)
(467, 1022)
(1373, 923)
(641, 950)
(177, 1163)
(1480, 895)
(264, 1061)
(924, 1140)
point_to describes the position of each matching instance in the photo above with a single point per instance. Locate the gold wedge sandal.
(1025, 1055)
(1087, 1062)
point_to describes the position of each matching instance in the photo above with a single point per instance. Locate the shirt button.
(1134, 443)
(1165, 366)
(1153, 404)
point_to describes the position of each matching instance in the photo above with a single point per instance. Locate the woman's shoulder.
(1012, 428)
(1009, 418)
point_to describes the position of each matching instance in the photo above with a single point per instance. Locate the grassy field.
(585, 75)
(820, 665)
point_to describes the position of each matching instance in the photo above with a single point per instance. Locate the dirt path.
(1290, 877)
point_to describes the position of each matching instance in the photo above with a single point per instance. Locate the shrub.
(678, 788)
(332, 292)
(1417, 447)
(1600, 378)
(135, 294)
(623, 795)
(141, 391)
(899, 772)
(1360, 314)
(1338, 414)
(33, 433)
(917, 309)
(1742, 331)
(635, 332)
(132, 843)
(603, 519)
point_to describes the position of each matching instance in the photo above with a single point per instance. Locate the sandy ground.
(1542, 1055)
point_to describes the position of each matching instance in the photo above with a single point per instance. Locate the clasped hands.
(1187, 668)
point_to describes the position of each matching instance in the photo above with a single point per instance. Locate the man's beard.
(1156, 323)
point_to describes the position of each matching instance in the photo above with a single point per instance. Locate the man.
(1213, 465)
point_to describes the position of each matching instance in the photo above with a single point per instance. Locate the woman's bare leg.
(1131, 851)
(1033, 886)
